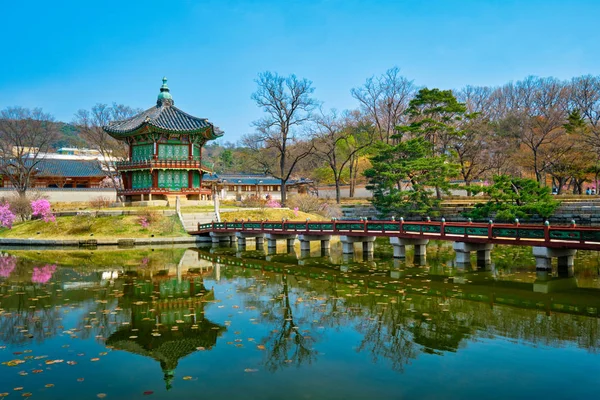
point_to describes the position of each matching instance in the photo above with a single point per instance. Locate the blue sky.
(63, 56)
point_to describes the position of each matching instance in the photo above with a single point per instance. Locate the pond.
(179, 323)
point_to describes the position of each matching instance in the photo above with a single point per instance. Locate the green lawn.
(76, 227)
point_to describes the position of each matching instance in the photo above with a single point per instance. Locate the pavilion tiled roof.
(164, 117)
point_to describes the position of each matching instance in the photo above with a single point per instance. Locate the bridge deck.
(573, 237)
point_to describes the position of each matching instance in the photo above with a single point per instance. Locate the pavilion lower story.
(163, 184)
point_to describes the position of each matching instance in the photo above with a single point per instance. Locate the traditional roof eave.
(208, 133)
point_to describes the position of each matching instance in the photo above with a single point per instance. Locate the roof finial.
(164, 97)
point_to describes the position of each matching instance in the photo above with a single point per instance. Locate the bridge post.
(241, 242)
(348, 243)
(218, 237)
(272, 239)
(290, 244)
(400, 244)
(306, 239)
(543, 259)
(242, 236)
(463, 252)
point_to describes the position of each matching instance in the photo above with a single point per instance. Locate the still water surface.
(184, 323)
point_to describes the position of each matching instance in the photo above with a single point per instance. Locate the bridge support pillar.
(543, 260)
(219, 237)
(348, 243)
(400, 244)
(272, 239)
(242, 236)
(306, 239)
(463, 252)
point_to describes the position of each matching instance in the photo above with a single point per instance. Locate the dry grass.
(271, 214)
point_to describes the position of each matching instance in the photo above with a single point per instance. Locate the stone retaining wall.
(121, 242)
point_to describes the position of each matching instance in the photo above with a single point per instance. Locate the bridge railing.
(440, 229)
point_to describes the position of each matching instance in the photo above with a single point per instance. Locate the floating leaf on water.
(148, 392)
(250, 370)
(12, 363)
(187, 378)
(49, 385)
(101, 395)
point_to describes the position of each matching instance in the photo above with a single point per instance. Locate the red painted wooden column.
(155, 178)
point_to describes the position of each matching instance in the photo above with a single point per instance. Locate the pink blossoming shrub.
(6, 216)
(272, 203)
(41, 208)
(7, 265)
(43, 274)
(296, 211)
(144, 222)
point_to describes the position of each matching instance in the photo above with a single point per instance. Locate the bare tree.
(288, 105)
(25, 137)
(546, 108)
(90, 123)
(338, 139)
(385, 99)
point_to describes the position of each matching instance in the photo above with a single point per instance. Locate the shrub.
(21, 205)
(100, 202)
(82, 222)
(314, 205)
(41, 208)
(169, 224)
(149, 217)
(253, 200)
(6, 216)
(305, 203)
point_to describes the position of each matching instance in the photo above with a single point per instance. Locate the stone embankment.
(91, 242)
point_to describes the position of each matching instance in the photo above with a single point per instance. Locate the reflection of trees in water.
(21, 321)
(384, 334)
(394, 327)
(281, 307)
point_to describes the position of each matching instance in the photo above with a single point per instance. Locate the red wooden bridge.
(554, 237)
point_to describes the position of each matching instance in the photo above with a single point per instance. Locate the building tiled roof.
(250, 179)
(164, 117)
(69, 168)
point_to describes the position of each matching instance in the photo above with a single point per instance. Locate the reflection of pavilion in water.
(167, 313)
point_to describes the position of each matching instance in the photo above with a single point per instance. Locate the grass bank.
(79, 227)
(271, 214)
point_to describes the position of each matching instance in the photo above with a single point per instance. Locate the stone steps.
(191, 221)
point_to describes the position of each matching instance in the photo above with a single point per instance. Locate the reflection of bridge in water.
(548, 294)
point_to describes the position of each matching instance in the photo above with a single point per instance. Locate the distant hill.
(68, 137)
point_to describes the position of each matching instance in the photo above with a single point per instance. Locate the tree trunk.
(351, 168)
(283, 194)
(337, 191)
(468, 186)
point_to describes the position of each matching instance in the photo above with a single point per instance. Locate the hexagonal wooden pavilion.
(165, 152)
